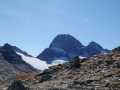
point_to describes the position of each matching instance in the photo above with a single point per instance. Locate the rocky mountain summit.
(99, 72)
(66, 47)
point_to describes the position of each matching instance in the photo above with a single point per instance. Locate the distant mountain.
(92, 49)
(66, 47)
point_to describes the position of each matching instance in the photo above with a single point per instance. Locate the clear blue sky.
(32, 24)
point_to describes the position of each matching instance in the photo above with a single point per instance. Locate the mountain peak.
(93, 42)
(64, 41)
(10, 47)
(7, 45)
(95, 45)
(64, 35)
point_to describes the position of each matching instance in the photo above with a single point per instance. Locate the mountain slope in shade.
(65, 47)
(19, 58)
(93, 48)
(14, 59)
(7, 70)
(50, 54)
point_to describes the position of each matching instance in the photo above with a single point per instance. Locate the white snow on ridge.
(36, 63)
(56, 62)
(81, 57)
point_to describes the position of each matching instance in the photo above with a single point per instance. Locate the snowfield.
(36, 63)
(39, 64)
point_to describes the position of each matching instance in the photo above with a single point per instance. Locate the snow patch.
(81, 57)
(56, 62)
(36, 63)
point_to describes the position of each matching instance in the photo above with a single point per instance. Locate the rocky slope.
(100, 72)
(65, 47)
(12, 65)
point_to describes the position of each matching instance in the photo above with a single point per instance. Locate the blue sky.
(32, 24)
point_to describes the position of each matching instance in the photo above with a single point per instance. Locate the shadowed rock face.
(66, 47)
(66, 42)
(9, 54)
(50, 54)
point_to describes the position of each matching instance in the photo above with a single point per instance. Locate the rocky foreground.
(100, 72)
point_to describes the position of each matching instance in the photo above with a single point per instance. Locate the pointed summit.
(95, 45)
(66, 42)
(7, 46)
(93, 42)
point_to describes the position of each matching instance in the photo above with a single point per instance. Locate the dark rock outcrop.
(116, 50)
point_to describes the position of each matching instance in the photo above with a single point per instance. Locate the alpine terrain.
(65, 47)
(99, 72)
